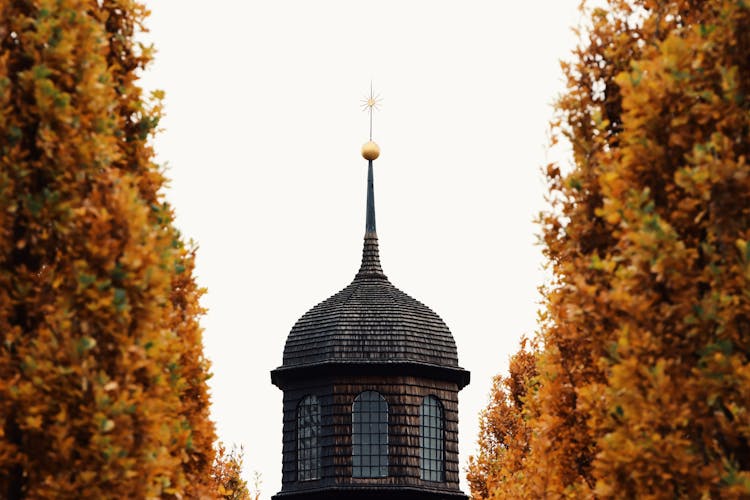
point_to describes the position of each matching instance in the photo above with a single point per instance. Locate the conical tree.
(102, 378)
(503, 432)
(643, 387)
(122, 18)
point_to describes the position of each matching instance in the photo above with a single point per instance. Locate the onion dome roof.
(370, 320)
(371, 323)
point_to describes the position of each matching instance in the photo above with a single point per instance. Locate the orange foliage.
(503, 433)
(227, 478)
(102, 377)
(644, 375)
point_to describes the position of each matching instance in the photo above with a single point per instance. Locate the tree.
(102, 376)
(643, 378)
(227, 478)
(503, 433)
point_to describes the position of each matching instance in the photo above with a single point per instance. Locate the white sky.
(262, 136)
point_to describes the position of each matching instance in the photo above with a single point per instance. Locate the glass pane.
(308, 439)
(432, 440)
(370, 435)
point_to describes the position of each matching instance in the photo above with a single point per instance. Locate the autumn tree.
(102, 376)
(227, 475)
(503, 433)
(644, 373)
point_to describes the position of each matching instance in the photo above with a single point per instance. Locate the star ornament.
(371, 102)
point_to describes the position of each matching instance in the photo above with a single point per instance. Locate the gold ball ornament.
(370, 151)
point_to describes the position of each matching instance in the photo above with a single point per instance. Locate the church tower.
(371, 380)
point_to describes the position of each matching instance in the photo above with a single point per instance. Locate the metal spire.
(370, 151)
(370, 221)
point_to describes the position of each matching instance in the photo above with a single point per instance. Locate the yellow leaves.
(744, 250)
(600, 123)
(87, 476)
(676, 55)
(62, 415)
(599, 13)
(606, 265)
(604, 489)
(730, 83)
(93, 308)
(642, 377)
(226, 475)
(33, 422)
(612, 217)
(628, 79)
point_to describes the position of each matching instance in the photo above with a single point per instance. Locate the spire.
(370, 267)
(370, 222)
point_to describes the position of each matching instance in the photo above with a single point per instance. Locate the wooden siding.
(404, 396)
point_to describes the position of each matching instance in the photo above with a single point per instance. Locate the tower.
(371, 380)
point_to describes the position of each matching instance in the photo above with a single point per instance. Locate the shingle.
(370, 320)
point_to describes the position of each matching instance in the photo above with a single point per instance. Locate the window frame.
(432, 465)
(309, 455)
(373, 410)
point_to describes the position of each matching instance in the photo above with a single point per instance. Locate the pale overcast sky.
(262, 137)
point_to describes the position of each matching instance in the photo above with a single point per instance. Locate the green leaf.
(723, 346)
(118, 273)
(107, 425)
(85, 344)
(34, 204)
(14, 135)
(120, 299)
(86, 279)
(103, 285)
(41, 71)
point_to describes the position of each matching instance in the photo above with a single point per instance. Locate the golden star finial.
(370, 103)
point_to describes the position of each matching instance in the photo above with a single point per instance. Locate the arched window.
(308, 439)
(431, 440)
(370, 435)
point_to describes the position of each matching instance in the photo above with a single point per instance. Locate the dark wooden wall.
(404, 396)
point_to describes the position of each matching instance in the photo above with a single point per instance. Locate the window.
(370, 435)
(308, 439)
(431, 440)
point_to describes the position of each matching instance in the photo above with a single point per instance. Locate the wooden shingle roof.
(370, 321)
